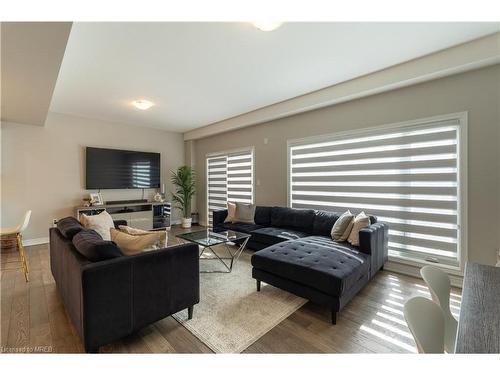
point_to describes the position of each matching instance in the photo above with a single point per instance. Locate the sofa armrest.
(373, 240)
(117, 223)
(107, 301)
(122, 295)
(165, 282)
(218, 217)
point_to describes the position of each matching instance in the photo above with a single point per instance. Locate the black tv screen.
(121, 169)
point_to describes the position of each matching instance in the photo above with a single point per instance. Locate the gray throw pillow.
(245, 212)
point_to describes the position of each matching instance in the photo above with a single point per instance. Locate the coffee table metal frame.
(231, 259)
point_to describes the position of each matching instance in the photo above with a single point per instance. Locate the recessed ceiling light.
(267, 25)
(142, 104)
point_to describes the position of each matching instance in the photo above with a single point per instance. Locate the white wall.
(43, 168)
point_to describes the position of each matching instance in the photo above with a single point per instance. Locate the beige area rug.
(231, 314)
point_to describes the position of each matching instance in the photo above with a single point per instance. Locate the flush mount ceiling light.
(267, 25)
(142, 104)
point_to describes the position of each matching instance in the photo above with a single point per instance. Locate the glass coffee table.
(208, 239)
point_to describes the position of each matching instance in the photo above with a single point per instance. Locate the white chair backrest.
(426, 322)
(440, 287)
(26, 220)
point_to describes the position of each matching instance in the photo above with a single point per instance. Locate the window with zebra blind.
(229, 178)
(410, 175)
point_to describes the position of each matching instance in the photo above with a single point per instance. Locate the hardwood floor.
(33, 319)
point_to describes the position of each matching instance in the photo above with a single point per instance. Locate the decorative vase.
(186, 223)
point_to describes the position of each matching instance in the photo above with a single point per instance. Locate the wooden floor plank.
(18, 336)
(33, 315)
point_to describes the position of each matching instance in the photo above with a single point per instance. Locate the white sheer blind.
(406, 176)
(229, 178)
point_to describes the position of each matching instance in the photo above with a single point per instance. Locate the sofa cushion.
(342, 227)
(323, 222)
(69, 226)
(245, 212)
(231, 212)
(263, 215)
(131, 244)
(91, 245)
(272, 235)
(360, 221)
(101, 223)
(163, 234)
(240, 227)
(292, 218)
(315, 261)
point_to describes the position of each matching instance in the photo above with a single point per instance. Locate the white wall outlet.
(54, 223)
(266, 141)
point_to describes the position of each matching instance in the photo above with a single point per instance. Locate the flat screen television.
(121, 169)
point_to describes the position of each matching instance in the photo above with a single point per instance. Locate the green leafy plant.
(184, 180)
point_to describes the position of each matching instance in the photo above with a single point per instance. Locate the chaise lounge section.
(297, 254)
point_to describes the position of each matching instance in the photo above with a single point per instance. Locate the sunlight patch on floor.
(389, 339)
(391, 318)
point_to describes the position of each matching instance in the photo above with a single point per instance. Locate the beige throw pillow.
(101, 223)
(361, 221)
(231, 213)
(342, 227)
(134, 244)
(163, 234)
(245, 212)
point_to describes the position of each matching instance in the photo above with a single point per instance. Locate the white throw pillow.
(361, 221)
(231, 212)
(101, 223)
(342, 227)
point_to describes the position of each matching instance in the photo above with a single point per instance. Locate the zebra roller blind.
(406, 176)
(229, 178)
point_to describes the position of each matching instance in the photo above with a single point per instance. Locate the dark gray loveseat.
(297, 254)
(111, 298)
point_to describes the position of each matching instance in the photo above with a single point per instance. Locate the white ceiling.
(202, 73)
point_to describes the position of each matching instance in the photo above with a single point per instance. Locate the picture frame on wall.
(96, 199)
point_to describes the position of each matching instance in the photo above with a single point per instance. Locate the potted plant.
(184, 181)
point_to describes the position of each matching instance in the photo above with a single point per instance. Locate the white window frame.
(250, 149)
(462, 203)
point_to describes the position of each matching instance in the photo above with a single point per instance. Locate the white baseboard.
(36, 241)
(414, 271)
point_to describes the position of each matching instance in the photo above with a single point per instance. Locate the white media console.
(142, 215)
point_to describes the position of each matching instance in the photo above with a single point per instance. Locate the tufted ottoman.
(314, 267)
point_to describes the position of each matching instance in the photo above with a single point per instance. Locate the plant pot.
(186, 223)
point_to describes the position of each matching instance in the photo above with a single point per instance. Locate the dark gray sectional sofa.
(108, 295)
(296, 253)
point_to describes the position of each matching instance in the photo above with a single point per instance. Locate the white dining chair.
(18, 232)
(440, 286)
(426, 323)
